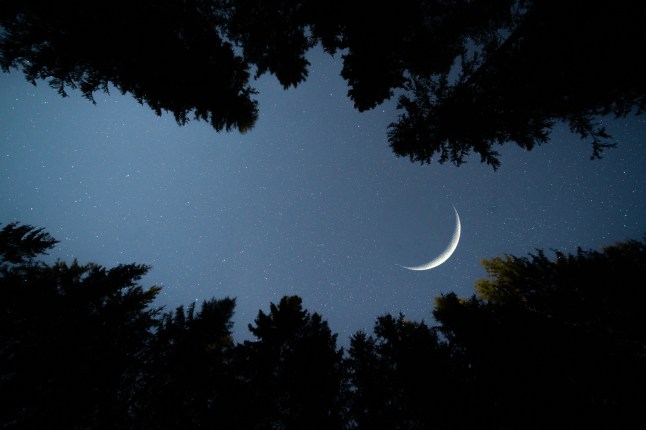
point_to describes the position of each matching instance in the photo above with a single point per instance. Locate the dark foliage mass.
(554, 341)
(293, 373)
(169, 55)
(72, 337)
(470, 74)
(187, 380)
(543, 344)
(542, 62)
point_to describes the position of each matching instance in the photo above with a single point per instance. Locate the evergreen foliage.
(544, 342)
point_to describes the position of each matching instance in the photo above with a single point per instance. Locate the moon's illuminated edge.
(446, 254)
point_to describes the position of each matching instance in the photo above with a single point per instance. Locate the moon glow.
(450, 249)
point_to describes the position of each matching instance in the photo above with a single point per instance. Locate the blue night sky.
(311, 202)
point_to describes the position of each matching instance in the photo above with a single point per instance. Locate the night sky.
(311, 202)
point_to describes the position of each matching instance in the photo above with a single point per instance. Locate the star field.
(311, 202)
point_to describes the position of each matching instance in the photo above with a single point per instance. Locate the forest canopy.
(543, 341)
(470, 74)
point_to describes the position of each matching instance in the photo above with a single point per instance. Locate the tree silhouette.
(402, 378)
(543, 343)
(554, 341)
(189, 382)
(469, 74)
(71, 337)
(293, 372)
(546, 62)
(19, 244)
(168, 55)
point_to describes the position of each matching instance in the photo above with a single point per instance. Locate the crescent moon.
(446, 253)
